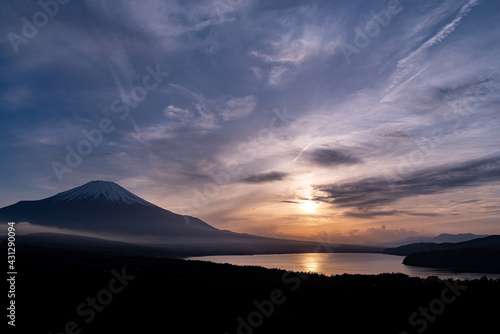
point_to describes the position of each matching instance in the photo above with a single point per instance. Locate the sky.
(350, 120)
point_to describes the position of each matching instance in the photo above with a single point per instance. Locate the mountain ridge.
(489, 241)
(100, 191)
(103, 206)
(441, 238)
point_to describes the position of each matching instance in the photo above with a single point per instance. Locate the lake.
(338, 263)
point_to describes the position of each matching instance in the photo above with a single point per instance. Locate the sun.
(308, 206)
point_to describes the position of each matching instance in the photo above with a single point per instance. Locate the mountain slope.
(105, 207)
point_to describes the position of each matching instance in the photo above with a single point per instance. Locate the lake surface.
(338, 263)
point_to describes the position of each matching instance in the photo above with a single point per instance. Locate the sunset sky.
(278, 118)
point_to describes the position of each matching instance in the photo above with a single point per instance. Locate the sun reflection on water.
(310, 263)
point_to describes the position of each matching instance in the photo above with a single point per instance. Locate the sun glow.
(308, 206)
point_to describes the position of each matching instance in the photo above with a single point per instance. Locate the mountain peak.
(100, 191)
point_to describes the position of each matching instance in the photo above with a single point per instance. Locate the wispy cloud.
(332, 157)
(237, 107)
(412, 65)
(368, 214)
(177, 113)
(370, 193)
(276, 75)
(265, 177)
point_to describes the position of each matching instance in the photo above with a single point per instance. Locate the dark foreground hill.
(480, 260)
(61, 290)
(481, 255)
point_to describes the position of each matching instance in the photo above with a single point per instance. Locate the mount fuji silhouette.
(107, 209)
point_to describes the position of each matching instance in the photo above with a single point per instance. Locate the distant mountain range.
(106, 209)
(490, 241)
(444, 237)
